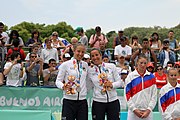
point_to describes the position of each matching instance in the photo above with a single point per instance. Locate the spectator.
(15, 43)
(140, 91)
(3, 37)
(166, 54)
(169, 100)
(86, 59)
(144, 51)
(35, 49)
(104, 51)
(135, 44)
(66, 57)
(116, 40)
(105, 59)
(160, 76)
(155, 43)
(1, 78)
(74, 98)
(173, 43)
(69, 49)
(34, 39)
(177, 66)
(83, 38)
(123, 50)
(33, 70)
(150, 67)
(14, 35)
(49, 53)
(56, 43)
(50, 74)
(105, 100)
(14, 70)
(96, 38)
(123, 75)
(122, 65)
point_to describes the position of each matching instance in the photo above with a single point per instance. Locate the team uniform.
(108, 102)
(140, 93)
(169, 101)
(74, 105)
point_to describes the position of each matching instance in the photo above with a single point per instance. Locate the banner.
(37, 98)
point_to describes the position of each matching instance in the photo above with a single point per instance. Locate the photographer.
(14, 70)
(33, 70)
(50, 74)
(96, 38)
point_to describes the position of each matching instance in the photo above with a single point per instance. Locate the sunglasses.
(159, 69)
(34, 56)
(173, 75)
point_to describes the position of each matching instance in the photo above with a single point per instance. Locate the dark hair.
(14, 55)
(120, 31)
(32, 53)
(134, 37)
(145, 39)
(35, 32)
(95, 49)
(52, 60)
(97, 29)
(170, 62)
(16, 42)
(34, 46)
(47, 40)
(1, 24)
(170, 31)
(155, 33)
(13, 32)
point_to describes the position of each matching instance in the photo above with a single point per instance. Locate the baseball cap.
(124, 71)
(86, 56)
(66, 55)
(150, 64)
(78, 29)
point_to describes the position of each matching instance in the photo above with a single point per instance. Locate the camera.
(153, 38)
(37, 61)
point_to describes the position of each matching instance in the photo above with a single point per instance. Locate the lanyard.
(79, 67)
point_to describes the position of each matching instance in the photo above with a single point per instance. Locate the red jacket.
(23, 55)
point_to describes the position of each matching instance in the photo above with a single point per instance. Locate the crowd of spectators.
(40, 65)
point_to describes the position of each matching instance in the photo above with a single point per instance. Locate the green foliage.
(66, 31)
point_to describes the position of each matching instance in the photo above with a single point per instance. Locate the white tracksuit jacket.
(93, 81)
(169, 101)
(140, 91)
(71, 68)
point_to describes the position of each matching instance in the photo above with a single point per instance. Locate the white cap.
(86, 56)
(124, 71)
(66, 55)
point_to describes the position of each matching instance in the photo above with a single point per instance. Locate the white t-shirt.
(166, 58)
(13, 78)
(123, 51)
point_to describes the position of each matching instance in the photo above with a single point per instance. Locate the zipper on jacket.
(78, 78)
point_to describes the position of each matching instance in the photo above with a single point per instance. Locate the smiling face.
(96, 57)
(79, 52)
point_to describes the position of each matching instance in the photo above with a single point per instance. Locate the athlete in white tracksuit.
(169, 100)
(107, 103)
(140, 93)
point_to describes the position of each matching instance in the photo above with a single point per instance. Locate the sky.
(109, 14)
